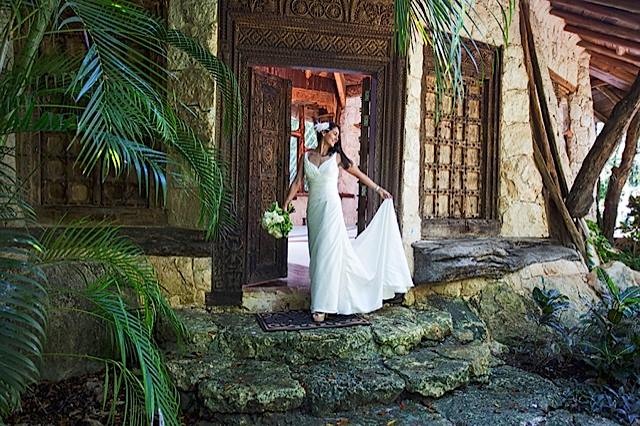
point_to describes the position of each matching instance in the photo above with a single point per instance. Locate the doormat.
(302, 320)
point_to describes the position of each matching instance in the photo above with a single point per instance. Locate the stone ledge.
(437, 261)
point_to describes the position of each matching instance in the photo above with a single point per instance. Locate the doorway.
(353, 35)
(316, 95)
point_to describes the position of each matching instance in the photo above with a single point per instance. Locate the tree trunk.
(580, 198)
(619, 176)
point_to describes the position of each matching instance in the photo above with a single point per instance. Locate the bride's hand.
(384, 193)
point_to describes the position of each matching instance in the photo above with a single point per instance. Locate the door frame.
(279, 34)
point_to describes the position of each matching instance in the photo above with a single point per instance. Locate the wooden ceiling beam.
(596, 25)
(608, 14)
(599, 115)
(615, 63)
(632, 6)
(599, 38)
(606, 64)
(602, 50)
(596, 82)
(613, 97)
(606, 76)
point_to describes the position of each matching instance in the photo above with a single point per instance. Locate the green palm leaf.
(153, 386)
(83, 242)
(441, 25)
(23, 299)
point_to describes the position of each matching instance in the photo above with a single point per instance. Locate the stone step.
(394, 330)
(432, 372)
(323, 387)
(339, 385)
(224, 386)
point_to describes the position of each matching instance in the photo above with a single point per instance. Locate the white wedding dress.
(350, 277)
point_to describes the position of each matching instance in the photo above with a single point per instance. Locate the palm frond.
(100, 244)
(441, 24)
(223, 75)
(134, 340)
(23, 298)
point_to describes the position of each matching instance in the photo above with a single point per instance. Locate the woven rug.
(302, 320)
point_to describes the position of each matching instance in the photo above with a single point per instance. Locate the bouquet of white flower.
(276, 220)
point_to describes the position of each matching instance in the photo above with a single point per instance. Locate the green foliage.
(441, 25)
(606, 344)
(551, 303)
(114, 97)
(603, 247)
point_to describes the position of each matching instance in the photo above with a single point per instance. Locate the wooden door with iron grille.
(270, 128)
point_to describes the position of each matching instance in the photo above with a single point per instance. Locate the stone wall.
(506, 304)
(558, 51)
(196, 88)
(521, 204)
(184, 280)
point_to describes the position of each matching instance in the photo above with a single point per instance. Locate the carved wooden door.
(270, 128)
(365, 136)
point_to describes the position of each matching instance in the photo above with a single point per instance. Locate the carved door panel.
(365, 136)
(270, 128)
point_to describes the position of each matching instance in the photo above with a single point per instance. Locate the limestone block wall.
(184, 280)
(196, 89)
(558, 51)
(521, 204)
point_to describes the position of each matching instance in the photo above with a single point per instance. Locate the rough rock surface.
(509, 316)
(398, 330)
(337, 385)
(437, 261)
(430, 364)
(250, 387)
(511, 396)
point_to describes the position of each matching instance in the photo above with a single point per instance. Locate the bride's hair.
(321, 128)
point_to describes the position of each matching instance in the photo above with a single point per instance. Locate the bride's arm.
(355, 171)
(296, 185)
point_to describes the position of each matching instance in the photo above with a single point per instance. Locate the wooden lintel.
(632, 6)
(596, 25)
(599, 38)
(602, 50)
(342, 88)
(566, 85)
(603, 13)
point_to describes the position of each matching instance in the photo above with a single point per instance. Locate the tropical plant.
(113, 97)
(442, 26)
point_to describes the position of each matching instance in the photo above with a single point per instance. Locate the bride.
(347, 277)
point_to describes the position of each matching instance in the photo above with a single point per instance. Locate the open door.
(365, 133)
(270, 128)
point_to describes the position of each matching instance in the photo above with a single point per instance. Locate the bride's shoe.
(319, 316)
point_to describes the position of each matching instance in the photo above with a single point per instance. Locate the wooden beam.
(599, 115)
(592, 47)
(342, 88)
(566, 85)
(632, 6)
(613, 97)
(595, 83)
(610, 68)
(608, 78)
(608, 14)
(596, 25)
(599, 38)
(616, 63)
(580, 198)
